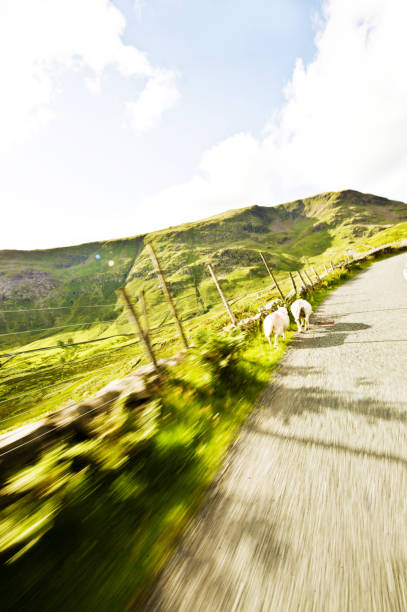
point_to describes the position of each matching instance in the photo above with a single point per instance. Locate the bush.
(220, 351)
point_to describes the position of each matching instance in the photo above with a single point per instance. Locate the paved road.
(310, 511)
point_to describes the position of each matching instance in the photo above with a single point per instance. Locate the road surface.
(310, 510)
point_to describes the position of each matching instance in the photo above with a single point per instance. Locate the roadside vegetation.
(90, 524)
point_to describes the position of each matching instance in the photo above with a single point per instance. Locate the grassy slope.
(315, 229)
(391, 234)
(64, 279)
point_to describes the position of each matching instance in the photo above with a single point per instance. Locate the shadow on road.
(284, 402)
(334, 446)
(248, 530)
(328, 335)
(374, 341)
(346, 314)
(298, 371)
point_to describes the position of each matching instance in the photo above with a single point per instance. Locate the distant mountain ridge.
(69, 278)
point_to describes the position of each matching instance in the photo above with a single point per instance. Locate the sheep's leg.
(298, 325)
(284, 335)
(307, 322)
(269, 339)
(276, 341)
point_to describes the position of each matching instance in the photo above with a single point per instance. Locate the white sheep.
(276, 322)
(301, 310)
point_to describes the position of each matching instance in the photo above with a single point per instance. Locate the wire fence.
(207, 309)
(46, 433)
(30, 331)
(73, 362)
(58, 383)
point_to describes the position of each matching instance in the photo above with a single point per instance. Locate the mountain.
(77, 284)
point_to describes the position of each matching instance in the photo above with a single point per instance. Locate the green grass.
(91, 524)
(392, 234)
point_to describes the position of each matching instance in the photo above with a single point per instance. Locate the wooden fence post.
(308, 278)
(224, 300)
(316, 274)
(134, 321)
(265, 263)
(293, 283)
(142, 298)
(272, 276)
(167, 294)
(301, 279)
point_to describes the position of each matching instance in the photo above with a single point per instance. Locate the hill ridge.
(344, 192)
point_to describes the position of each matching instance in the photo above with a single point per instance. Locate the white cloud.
(159, 95)
(343, 125)
(38, 40)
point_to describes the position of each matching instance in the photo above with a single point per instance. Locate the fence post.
(293, 283)
(301, 279)
(265, 263)
(224, 300)
(308, 278)
(272, 276)
(142, 298)
(134, 321)
(167, 294)
(316, 274)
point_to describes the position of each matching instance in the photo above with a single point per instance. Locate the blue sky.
(128, 116)
(233, 58)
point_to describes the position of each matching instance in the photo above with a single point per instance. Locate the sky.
(119, 117)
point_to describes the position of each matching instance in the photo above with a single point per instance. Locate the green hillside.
(65, 280)
(72, 277)
(391, 234)
(67, 295)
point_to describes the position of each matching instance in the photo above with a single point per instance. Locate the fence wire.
(186, 317)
